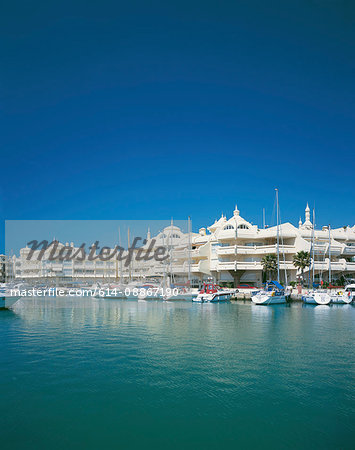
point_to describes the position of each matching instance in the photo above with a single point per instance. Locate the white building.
(232, 250)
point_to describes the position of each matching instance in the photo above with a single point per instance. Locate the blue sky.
(147, 110)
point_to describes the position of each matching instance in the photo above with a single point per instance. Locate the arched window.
(176, 236)
(243, 227)
(228, 227)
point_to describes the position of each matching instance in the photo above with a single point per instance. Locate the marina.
(177, 252)
(231, 252)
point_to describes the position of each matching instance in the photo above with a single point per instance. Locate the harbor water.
(100, 373)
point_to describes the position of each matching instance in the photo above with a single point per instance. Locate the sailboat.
(314, 297)
(340, 296)
(274, 292)
(182, 291)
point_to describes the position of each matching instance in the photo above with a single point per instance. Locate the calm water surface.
(82, 373)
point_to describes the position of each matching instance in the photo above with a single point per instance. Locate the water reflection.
(170, 364)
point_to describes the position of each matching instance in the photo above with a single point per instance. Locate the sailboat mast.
(330, 265)
(277, 234)
(129, 245)
(166, 245)
(116, 267)
(119, 243)
(313, 249)
(189, 253)
(171, 252)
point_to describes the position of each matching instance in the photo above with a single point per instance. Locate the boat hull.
(187, 297)
(341, 299)
(316, 299)
(212, 298)
(265, 299)
(8, 302)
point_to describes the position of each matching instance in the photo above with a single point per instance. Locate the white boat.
(342, 297)
(7, 299)
(8, 302)
(212, 293)
(273, 294)
(316, 298)
(350, 288)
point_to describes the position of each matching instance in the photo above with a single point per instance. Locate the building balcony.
(250, 265)
(321, 265)
(195, 267)
(226, 265)
(227, 250)
(341, 265)
(335, 265)
(202, 266)
(350, 266)
(264, 249)
(184, 254)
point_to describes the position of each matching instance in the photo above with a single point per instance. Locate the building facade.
(230, 251)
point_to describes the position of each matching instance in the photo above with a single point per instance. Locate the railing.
(227, 250)
(254, 249)
(248, 265)
(264, 249)
(226, 265)
(338, 265)
(195, 267)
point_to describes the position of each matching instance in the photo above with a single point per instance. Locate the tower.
(307, 213)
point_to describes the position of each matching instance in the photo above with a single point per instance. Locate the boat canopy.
(277, 284)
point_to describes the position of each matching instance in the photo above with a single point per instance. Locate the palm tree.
(269, 263)
(301, 260)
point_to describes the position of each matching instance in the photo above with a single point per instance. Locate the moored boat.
(7, 301)
(350, 290)
(273, 294)
(212, 293)
(342, 297)
(316, 298)
(7, 297)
